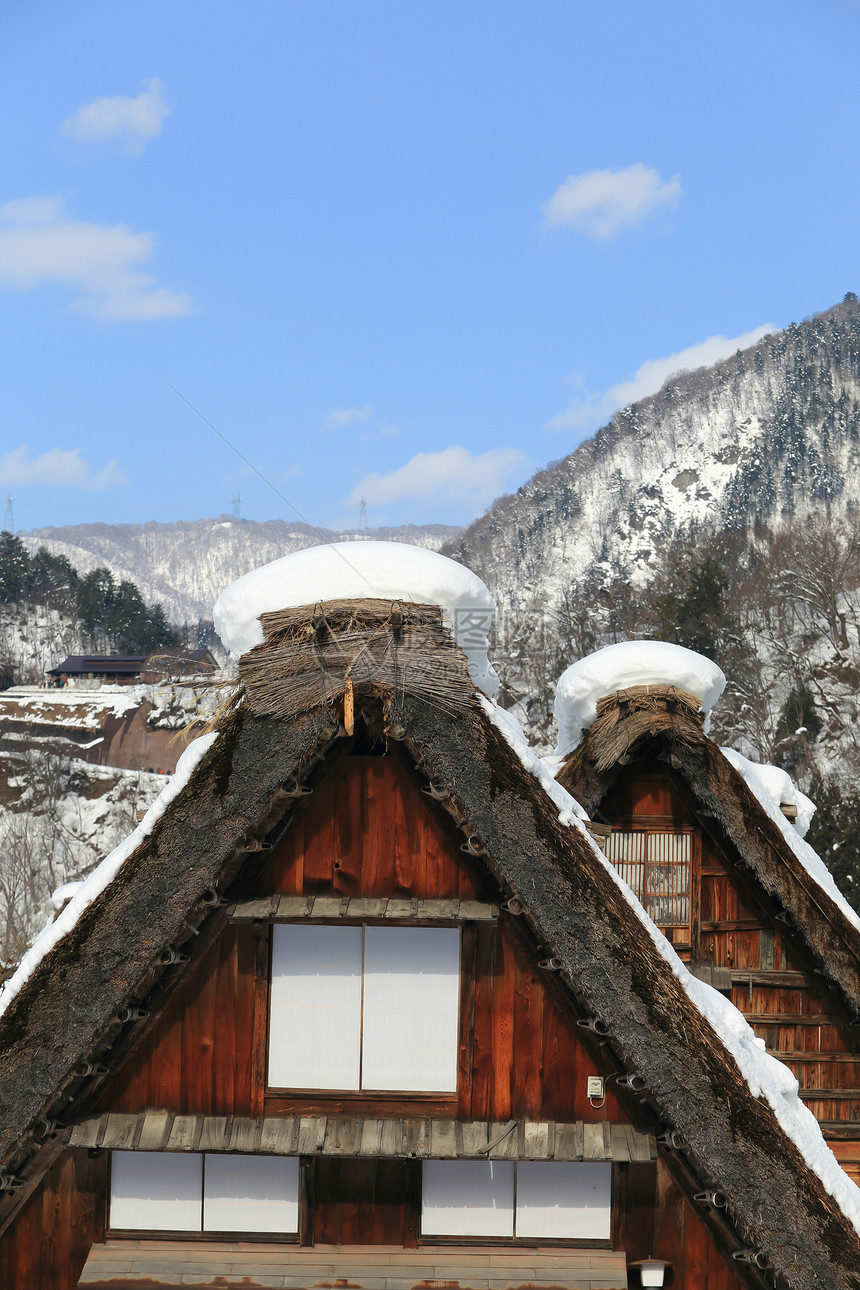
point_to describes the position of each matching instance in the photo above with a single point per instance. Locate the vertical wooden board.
(349, 835)
(319, 837)
(635, 1189)
(669, 1221)
(482, 1061)
(166, 1055)
(378, 787)
(360, 1202)
(466, 1050)
(260, 1032)
(502, 1036)
(48, 1244)
(411, 827)
(388, 1218)
(227, 1052)
(529, 1002)
(201, 1005)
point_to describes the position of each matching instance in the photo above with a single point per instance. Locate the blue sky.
(406, 251)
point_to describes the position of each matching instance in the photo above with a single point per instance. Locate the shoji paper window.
(365, 1007)
(151, 1191)
(467, 1198)
(540, 1200)
(315, 1039)
(411, 998)
(657, 867)
(156, 1191)
(560, 1199)
(251, 1194)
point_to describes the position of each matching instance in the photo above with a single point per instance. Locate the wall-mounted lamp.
(651, 1271)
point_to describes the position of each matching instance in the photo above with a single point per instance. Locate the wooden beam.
(293, 908)
(319, 1135)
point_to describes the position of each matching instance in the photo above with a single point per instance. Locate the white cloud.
(348, 416)
(602, 202)
(42, 246)
(454, 477)
(131, 121)
(588, 410)
(59, 468)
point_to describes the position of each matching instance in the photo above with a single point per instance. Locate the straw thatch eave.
(624, 733)
(573, 906)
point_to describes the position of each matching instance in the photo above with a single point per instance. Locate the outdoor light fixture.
(651, 1271)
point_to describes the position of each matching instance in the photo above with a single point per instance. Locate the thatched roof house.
(358, 776)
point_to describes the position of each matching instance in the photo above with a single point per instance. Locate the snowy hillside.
(185, 566)
(770, 433)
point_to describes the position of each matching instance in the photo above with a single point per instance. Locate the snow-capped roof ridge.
(363, 570)
(621, 666)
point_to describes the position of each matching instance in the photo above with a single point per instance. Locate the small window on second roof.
(371, 1008)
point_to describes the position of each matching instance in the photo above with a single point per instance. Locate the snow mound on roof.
(771, 781)
(84, 893)
(618, 667)
(357, 570)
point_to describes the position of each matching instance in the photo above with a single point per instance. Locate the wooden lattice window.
(658, 867)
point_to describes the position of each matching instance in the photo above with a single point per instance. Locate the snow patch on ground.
(361, 570)
(617, 667)
(105, 873)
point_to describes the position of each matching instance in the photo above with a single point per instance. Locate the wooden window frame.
(683, 936)
(182, 1234)
(277, 1097)
(527, 1242)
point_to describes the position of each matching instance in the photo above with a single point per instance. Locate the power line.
(323, 539)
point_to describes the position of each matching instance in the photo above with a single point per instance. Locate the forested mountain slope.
(771, 433)
(186, 565)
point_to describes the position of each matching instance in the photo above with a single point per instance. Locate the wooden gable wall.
(367, 830)
(773, 982)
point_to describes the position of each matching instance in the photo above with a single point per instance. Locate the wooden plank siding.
(47, 1246)
(519, 1057)
(786, 1002)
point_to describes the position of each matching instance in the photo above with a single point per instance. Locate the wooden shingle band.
(292, 908)
(353, 1136)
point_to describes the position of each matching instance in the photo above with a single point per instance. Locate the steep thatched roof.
(665, 724)
(66, 1012)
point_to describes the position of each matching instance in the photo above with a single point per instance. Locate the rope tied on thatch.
(628, 716)
(318, 654)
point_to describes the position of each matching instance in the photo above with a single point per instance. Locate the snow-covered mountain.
(771, 433)
(186, 565)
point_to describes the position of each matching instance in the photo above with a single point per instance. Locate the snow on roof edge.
(810, 859)
(764, 1074)
(105, 872)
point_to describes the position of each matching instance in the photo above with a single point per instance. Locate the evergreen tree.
(835, 834)
(694, 611)
(14, 568)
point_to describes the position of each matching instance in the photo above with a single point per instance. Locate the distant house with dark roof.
(120, 668)
(168, 663)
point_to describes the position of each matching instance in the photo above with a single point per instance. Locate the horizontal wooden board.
(279, 908)
(354, 1136)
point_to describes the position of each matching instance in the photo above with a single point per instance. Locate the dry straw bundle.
(641, 710)
(317, 653)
